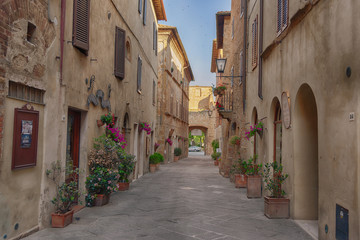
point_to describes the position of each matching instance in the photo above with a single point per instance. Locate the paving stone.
(183, 201)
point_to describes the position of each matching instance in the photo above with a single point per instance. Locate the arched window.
(277, 134)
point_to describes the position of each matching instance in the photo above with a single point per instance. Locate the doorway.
(73, 143)
(306, 181)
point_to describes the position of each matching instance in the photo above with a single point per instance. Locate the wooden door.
(73, 140)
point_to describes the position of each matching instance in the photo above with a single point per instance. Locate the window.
(81, 15)
(119, 65)
(140, 6)
(283, 15)
(241, 67)
(139, 74)
(144, 15)
(242, 8)
(255, 42)
(26, 93)
(277, 134)
(154, 36)
(232, 76)
(30, 32)
(232, 28)
(154, 93)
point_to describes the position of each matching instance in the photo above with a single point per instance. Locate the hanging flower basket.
(168, 140)
(146, 127)
(257, 128)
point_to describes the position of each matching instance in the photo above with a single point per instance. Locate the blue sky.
(195, 21)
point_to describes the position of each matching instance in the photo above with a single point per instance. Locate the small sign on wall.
(285, 102)
(25, 136)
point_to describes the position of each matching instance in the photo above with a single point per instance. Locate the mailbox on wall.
(25, 137)
(342, 223)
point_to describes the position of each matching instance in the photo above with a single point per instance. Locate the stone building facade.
(174, 75)
(229, 45)
(72, 61)
(202, 114)
(302, 83)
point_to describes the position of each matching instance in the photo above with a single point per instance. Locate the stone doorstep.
(309, 226)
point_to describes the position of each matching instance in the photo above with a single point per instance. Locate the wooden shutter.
(144, 16)
(140, 6)
(139, 74)
(119, 65)
(279, 12)
(156, 42)
(285, 10)
(154, 33)
(81, 16)
(154, 92)
(254, 43)
(256, 40)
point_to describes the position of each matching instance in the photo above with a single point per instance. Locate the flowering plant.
(235, 140)
(168, 140)
(108, 119)
(102, 180)
(116, 136)
(274, 178)
(146, 127)
(126, 166)
(219, 106)
(253, 129)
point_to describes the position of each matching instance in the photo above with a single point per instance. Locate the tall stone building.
(174, 75)
(302, 83)
(63, 64)
(229, 45)
(202, 114)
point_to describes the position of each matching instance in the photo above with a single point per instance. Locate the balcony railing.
(225, 104)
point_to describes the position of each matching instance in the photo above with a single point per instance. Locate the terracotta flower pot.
(276, 207)
(253, 186)
(176, 158)
(123, 186)
(101, 199)
(158, 166)
(152, 168)
(216, 163)
(240, 180)
(61, 220)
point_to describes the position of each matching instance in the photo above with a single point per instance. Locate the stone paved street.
(184, 200)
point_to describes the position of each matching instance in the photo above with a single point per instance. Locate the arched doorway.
(306, 183)
(204, 134)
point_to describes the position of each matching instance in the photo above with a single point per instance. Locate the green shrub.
(177, 151)
(215, 145)
(215, 155)
(156, 158)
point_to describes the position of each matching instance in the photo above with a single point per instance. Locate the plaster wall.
(316, 52)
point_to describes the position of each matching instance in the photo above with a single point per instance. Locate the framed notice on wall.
(25, 137)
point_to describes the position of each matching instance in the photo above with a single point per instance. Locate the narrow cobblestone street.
(184, 200)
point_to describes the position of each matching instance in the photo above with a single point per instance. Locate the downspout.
(261, 48)
(62, 33)
(244, 56)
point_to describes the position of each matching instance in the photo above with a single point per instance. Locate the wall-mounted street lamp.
(220, 65)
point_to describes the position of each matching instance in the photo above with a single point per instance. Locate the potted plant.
(126, 166)
(153, 161)
(160, 160)
(108, 119)
(220, 90)
(146, 127)
(66, 193)
(177, 153)
(168, 140)
(219, 106)
(235, 140)
(253, 178)
(257, 128)
(275, 205)
(241, 177)
(103, 176)
(215, 156)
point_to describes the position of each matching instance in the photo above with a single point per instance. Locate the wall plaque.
(285, 103)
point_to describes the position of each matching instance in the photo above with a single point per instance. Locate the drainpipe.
(62, 33)
(261, 48)
(244, 56)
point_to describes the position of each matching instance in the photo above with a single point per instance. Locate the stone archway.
(207, 145)
(306, 183)
(205, 121)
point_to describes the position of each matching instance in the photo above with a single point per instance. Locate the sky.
(196, 23)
